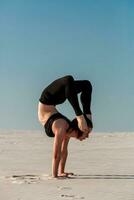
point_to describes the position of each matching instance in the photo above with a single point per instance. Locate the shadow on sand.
(100, 176)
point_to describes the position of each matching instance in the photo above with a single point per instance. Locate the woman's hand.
(65, 174)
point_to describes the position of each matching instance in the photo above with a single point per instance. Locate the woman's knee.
(88, 85)
(69, 79)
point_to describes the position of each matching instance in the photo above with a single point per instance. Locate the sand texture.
(103, 167)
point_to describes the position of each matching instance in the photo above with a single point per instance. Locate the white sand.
(103, 164)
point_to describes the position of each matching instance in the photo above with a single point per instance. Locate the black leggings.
(68, 88)
(71, 91)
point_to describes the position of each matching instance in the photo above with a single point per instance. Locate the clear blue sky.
(41, 40)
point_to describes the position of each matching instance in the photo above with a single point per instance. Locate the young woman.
(60, 127)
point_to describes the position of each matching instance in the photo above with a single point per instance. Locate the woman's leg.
(71, 94)
(85, 88)
(72, 88)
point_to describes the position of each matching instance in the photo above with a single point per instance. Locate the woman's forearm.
(63, 162)
(55, 166)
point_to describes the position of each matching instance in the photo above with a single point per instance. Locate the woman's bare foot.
(89, 116)
(82, 123)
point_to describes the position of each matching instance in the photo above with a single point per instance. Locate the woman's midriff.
(45, 111)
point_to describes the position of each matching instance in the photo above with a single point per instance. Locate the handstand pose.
(60, 127)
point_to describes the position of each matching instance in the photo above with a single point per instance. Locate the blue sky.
(45, 39)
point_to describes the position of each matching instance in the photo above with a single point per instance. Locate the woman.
(60, 127)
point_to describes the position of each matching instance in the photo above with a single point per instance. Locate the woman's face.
(73, 133)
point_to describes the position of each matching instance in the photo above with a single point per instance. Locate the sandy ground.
(103, 167)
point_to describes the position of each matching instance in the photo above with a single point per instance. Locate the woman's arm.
(59, 128)
(64, 154)
(56, 153)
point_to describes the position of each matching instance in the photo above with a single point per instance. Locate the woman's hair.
(74, 125)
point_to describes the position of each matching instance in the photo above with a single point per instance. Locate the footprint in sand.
(29, 179)
(69, 196)
(64, 188)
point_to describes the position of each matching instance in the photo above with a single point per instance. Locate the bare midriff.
(45, 111)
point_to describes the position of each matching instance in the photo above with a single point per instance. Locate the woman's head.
(74, 127)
